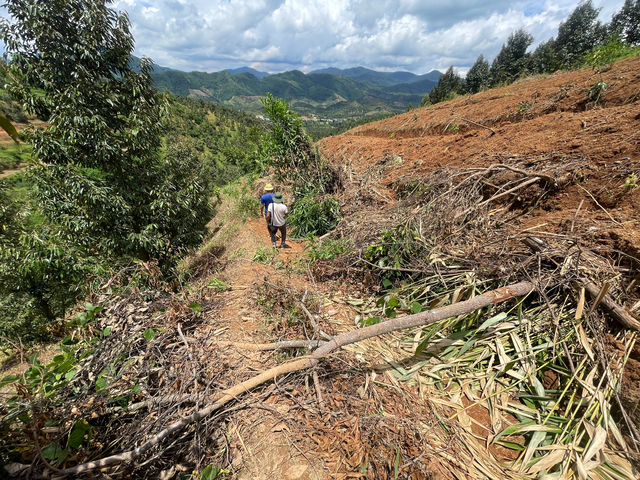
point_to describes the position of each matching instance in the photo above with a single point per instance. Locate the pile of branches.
(458, 217)
(141, 363)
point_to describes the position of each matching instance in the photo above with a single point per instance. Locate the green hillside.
(324, 95)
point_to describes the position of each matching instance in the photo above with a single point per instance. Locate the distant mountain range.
(381, 78)
(250, 70)
(326, 93)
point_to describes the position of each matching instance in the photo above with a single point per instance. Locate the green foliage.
(512, 61)
(100, 177)
(245, 204)
(228, 140)
(546, 58)
(83, 318)
(314, 215)
(293, 161)
(631, 182)
(396, 249)
(578, 34)
(286, 145)
(13, 155)
(327, 249)
(218, 285)
(264, 255)
(602, 57)
(310, 94)
(478, 77)
(626, 22)
(211, 472)
(596, 91)
(523, 107)
(448, 85)
(40, 271)
(45, 380)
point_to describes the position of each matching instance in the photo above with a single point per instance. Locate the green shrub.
(314, 215)
(603, 57)
(328, 249)
(397, 248)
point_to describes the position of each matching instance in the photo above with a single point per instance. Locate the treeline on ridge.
(581, 41)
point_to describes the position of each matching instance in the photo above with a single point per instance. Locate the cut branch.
(612, 308)
(260, 347)
(514, 189)
(410, 321)
(493, 132)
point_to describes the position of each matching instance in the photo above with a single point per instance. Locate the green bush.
(314, 215)
(328, 249)
(603, 57)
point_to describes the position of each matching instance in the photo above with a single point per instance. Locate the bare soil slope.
(542, 121)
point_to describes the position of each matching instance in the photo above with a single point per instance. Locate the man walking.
(265, 201)
(277, 212)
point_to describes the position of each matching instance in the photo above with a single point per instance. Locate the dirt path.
(262, 446)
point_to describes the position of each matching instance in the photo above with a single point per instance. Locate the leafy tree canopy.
(478, 75)
(99, 175)
(578, 34)
(511, 62)
(546, 58)
(626, 22)
(448, 84)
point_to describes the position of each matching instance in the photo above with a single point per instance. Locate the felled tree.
(99, 174)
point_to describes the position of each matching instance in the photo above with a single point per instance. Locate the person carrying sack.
(277, 212)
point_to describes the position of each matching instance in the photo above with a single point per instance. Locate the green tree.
(579, 34)
(448, 85)
(546, 58)
(99, 175)
(626, 23)
(511, 62)
(478, 75)
(40, 272)
(289, 151)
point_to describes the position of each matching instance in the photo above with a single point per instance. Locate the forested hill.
(323, 94)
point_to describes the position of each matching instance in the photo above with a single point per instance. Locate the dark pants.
(283, 233)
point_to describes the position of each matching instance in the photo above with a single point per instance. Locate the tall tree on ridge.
(478, 75)
(511, 62)
(626, 22)
(579, 33)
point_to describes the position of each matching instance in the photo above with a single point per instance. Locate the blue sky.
(387, 35)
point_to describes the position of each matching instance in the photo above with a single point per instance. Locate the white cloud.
(276, 35)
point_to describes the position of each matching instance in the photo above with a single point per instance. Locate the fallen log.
(310, 361)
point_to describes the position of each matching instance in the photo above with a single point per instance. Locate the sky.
(385, 35)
